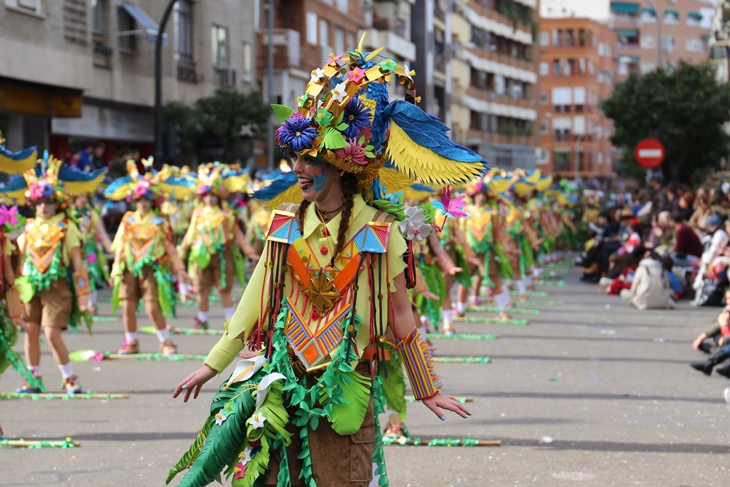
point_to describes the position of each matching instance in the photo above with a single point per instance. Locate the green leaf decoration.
(25, 288)
(395, 209)
(347, 418)
(255, 468)
(282, 112)
(189, 457)
(394, 386)
(341, 127)
(333, 139)
(370, 155)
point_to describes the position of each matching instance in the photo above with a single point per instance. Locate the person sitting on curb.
(722, 352)
(712, 337)
(651, 287)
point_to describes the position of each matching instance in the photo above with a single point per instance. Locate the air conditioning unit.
(227, 77)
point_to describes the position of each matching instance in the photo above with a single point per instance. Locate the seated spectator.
(702, 213)
(686, 204)
(651, 287)
(713, 337)
(688, 246)
(718, 237)
(634, 238)
(674, 283)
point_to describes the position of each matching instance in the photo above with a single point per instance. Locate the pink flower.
(240, 470)
(97, 357)
(353, 153)
(35, 191)
(92, 258)
(356, 75)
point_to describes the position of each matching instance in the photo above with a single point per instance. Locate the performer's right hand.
(194, 382)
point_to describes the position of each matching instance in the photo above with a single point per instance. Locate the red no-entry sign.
(649, 153)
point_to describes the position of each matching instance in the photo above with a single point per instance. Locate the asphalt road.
(609, 385)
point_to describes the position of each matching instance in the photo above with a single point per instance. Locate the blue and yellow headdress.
(344, 117)
(153, 185)
(16, 162)
(50, 179)
(221, 179)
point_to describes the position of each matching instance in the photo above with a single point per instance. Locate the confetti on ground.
(540, 294)
(462, 400)
(448, 442)
(461, 360)
(462, 336)
(491, 321)
(495, 309)
(97, 319)
(539, 303)
(48, 396)
(38, 444)
(550, 283)
(182, 331)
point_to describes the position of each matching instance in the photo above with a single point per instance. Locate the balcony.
(393, 43)
(286, 47)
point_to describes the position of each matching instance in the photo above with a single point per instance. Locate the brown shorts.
(337, 461)
(51, 307)
(492, 272)
(211, 275)
(143, 287)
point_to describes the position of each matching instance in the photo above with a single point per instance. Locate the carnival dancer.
(54, 282)
(334, 290)
(215, 240)
(96, 244)
(145, 258)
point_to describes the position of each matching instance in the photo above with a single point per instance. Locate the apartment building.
(577, 70)
(476, 68)
(685, 29)
(84, 69)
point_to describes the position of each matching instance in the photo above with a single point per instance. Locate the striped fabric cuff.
(417, 358)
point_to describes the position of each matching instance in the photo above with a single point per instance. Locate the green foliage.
(217, 120)
(688, 108)
(395, 209)
(282, 112)
(333, 139)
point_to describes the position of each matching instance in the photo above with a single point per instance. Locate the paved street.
(610, 385)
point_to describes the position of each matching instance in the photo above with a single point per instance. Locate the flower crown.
(221, 179)
(152, 185)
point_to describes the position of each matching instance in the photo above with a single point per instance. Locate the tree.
(213, 125)
(684, 107)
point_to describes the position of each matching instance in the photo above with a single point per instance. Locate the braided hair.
(348, 182)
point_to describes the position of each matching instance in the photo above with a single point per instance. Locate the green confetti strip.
(155, 357)
(550, 283)
(538, 294)
(182, 331)
(462, 400)
(447, 442)
(38, 444)
(462, 336)
(461, 360)
(491, 321)
(110, 319)
(495, 309)
(539, 303)
(49, 396)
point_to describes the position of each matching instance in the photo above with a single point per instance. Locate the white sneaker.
(727, 395)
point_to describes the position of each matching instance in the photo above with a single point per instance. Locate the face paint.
(315, 177)
(317, 173)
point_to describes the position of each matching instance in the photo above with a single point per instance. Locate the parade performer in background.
(96, 243)
(304, 412)
(215, 240)
(145, 257)
(54, 282)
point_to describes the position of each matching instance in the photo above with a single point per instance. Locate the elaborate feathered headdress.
(221, 179)
(344, 117)
(153, 185)
(16, 162)
(51, 180)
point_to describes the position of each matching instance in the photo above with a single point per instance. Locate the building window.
(324, 33)
(599, 158)
(582, 66)
(220, 45)
(623, 69)
(557, 37)
(694, 19)
(312, 28)
(247, 59)
(544, 69)
(97, 18)
(499, 84)
(350, 41)
(339, 40)
(543, 98)
(648, 14)
(544, 38)
(569, 67)
(556, 67)
(33, 6)
(562, 100)
(544, 127)
(581, 37)
(671, 17)
(591, 67)
(579, 98)
(342, 7)
(647, 41)
(670, 44)
(127, 25)
(543, 157)
(184, 31)
(600, 48)
(694, 44)
(561, 159)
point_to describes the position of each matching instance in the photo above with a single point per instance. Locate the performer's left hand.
(19, 321)
(83, 303)
(440, 401)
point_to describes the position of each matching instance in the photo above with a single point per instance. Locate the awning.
(625, 7)
(671, 12)
(627, 32)
(694, 15)
(148, 25)
(628, 59)
(648, 10)
(705, 38)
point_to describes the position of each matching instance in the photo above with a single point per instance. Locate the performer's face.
(144, 205)
(210, 199)
(315, 177)
(46, 209)
(82, 201)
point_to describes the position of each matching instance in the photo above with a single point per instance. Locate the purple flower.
(296, 134)
(357, 118)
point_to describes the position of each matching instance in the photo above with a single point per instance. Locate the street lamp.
(159, 150)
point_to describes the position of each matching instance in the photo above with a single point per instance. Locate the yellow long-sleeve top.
(144, 234)
(314, 249)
